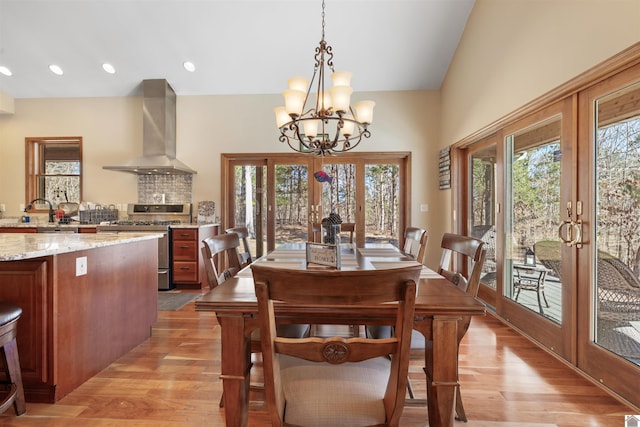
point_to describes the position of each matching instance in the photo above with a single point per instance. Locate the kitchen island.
(87, 299)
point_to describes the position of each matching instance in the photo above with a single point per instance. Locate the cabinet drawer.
(185, 234)
(184, 250)
(185, 271)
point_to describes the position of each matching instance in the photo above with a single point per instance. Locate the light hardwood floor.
(172, 380)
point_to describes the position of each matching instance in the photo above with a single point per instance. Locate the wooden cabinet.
(187, 264)
(18, 230)
(185, 255)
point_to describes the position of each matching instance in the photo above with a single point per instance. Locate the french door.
(609, 261)
(520, 179)
(555, 196)
(278, 197)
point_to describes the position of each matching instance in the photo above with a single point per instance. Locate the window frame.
(34, 167)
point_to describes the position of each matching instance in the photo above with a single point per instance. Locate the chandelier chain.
(322, 19)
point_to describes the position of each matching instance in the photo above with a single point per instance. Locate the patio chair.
(618, 286)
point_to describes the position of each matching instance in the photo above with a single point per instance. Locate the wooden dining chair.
(461, 263)
(222, 248)
(415, 242)
(245, 252)
(348, 227)
(308, 381)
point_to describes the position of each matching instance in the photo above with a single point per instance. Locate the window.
(53, 170)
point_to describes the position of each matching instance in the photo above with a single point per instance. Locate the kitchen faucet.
(52, 214)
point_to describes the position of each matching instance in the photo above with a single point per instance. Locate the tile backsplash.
(175, 188)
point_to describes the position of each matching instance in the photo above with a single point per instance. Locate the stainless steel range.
(154, 218)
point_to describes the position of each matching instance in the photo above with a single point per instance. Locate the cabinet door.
(24, 283)
(18, 230)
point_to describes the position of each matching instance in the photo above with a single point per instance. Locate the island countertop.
(18, 246)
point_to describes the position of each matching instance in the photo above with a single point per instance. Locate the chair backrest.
(316, 229)
(415, 242)
(463, 246)
(348, 227)
(337, 288)
(222, 248)
(466, 254)
(243, 236)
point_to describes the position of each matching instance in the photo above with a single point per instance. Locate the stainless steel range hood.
(158, 134)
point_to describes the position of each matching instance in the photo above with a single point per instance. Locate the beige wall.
(206, 127)
(512, 52)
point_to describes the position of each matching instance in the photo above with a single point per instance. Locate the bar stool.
(9, 315)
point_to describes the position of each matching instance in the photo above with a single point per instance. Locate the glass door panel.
(291, 211)
(616, 253)
(482, 212)
(249, 200)
(338, 193)
(382, 193)
(532, 216)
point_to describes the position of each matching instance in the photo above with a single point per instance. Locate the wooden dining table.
(439, 307)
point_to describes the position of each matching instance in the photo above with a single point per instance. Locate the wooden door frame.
(360, 159)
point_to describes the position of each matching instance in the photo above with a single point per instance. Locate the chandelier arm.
(295, 144)
(306, 98)
(299, 137)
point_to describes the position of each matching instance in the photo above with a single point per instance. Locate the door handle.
(573, 234)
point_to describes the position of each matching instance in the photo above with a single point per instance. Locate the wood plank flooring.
(172, 379)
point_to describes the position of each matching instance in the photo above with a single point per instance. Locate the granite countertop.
(78, 225)
(36, 224)
(18, 246)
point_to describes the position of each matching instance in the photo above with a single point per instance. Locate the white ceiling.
(238, 47)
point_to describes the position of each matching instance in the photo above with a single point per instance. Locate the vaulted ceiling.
(237, 47)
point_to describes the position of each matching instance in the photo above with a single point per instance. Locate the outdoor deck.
(620, 335)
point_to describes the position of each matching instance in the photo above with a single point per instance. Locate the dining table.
(439, 307)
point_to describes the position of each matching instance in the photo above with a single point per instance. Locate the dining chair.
(461, 263)
(415, 242)
(226, 246)
(346, 330)
(222, 248)
(243, 236)
(415, 245)
(335, 381)
(348, 227)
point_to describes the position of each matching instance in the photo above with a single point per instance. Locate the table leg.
(235, 370)
(441, 367)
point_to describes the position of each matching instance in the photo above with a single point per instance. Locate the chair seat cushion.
(9, 312)
(322, 394)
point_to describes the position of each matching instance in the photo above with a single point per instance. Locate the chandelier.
(330, 125)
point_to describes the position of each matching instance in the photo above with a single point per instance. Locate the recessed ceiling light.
(5, 70)
(189, 66)
(108, 68)
(56, 69)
